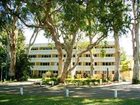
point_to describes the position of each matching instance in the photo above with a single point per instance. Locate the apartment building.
(45, 58)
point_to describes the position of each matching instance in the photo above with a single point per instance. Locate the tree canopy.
(66, 21)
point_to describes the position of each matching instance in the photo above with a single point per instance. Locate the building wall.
(45, 59)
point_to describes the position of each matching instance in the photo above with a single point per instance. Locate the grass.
(43, 100)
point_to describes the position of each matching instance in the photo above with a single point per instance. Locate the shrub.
(82, 81)
(135, 81)
(50, 81)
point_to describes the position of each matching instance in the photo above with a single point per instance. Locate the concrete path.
(124, 89)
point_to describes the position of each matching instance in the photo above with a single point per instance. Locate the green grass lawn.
(44, 100)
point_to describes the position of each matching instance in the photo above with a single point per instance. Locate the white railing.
(109, 50)
(44, 60)
(85, 68)
(104, 68)
(104, 59)
(43, 52)
(44, 68)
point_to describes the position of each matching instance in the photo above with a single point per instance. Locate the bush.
(50, 81)
(22, 71)
(83, 81)
(135, 81)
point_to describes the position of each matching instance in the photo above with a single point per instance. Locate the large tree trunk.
(60, 58)
(12, 45)
(135, 40)
(136, 71)
(66, 64)
(55, 38)
(117, 57)
(91, 59)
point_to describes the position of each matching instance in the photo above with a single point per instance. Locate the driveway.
(124, 90)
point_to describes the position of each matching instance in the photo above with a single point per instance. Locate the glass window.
(79, 63)
(95, 63)
(34, 48)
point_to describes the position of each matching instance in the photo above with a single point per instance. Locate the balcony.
(44, 60)
(44, 68)
(109, 50)
(104, 68)
(35, 52)
(104, 59)
(84, 68)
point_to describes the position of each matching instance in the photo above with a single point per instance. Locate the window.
(45, 63)
(113, 72)
(34, 48)
(54, 55)
(73, 55)
(55, 72)
(109, 55)
(46, 56)
(95, 72)
(95, 63)
(52, 63)
(45, 48)
(87, 55)
(107, 63)
(95, 55)
(79, 63)
(32, 63)
(88, 63)
(32, 56)
(73, 63)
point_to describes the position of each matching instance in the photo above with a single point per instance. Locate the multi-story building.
(45, 58)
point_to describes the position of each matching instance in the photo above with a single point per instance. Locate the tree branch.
(90, 46)
(33, 37)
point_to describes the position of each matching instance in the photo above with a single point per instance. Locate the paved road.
(125, 90)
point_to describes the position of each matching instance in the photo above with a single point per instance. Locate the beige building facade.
(45, 58)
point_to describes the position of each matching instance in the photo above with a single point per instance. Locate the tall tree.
(119, 22)
(9, 26)
(135, 41)
(65, 19)
(23, 65)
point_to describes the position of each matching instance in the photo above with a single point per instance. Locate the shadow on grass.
(43, 100)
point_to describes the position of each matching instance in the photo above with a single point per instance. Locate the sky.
(125, 41)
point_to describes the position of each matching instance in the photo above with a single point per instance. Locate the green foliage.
(22, 60)
(22, 67)
(124, 65)
(50, 81)
(83, 45)
(124, 62)
(83, 81)
(66, 18)
(135, 81)
(103, 53)
(103, 46)
(3, 55)
(48, 74)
